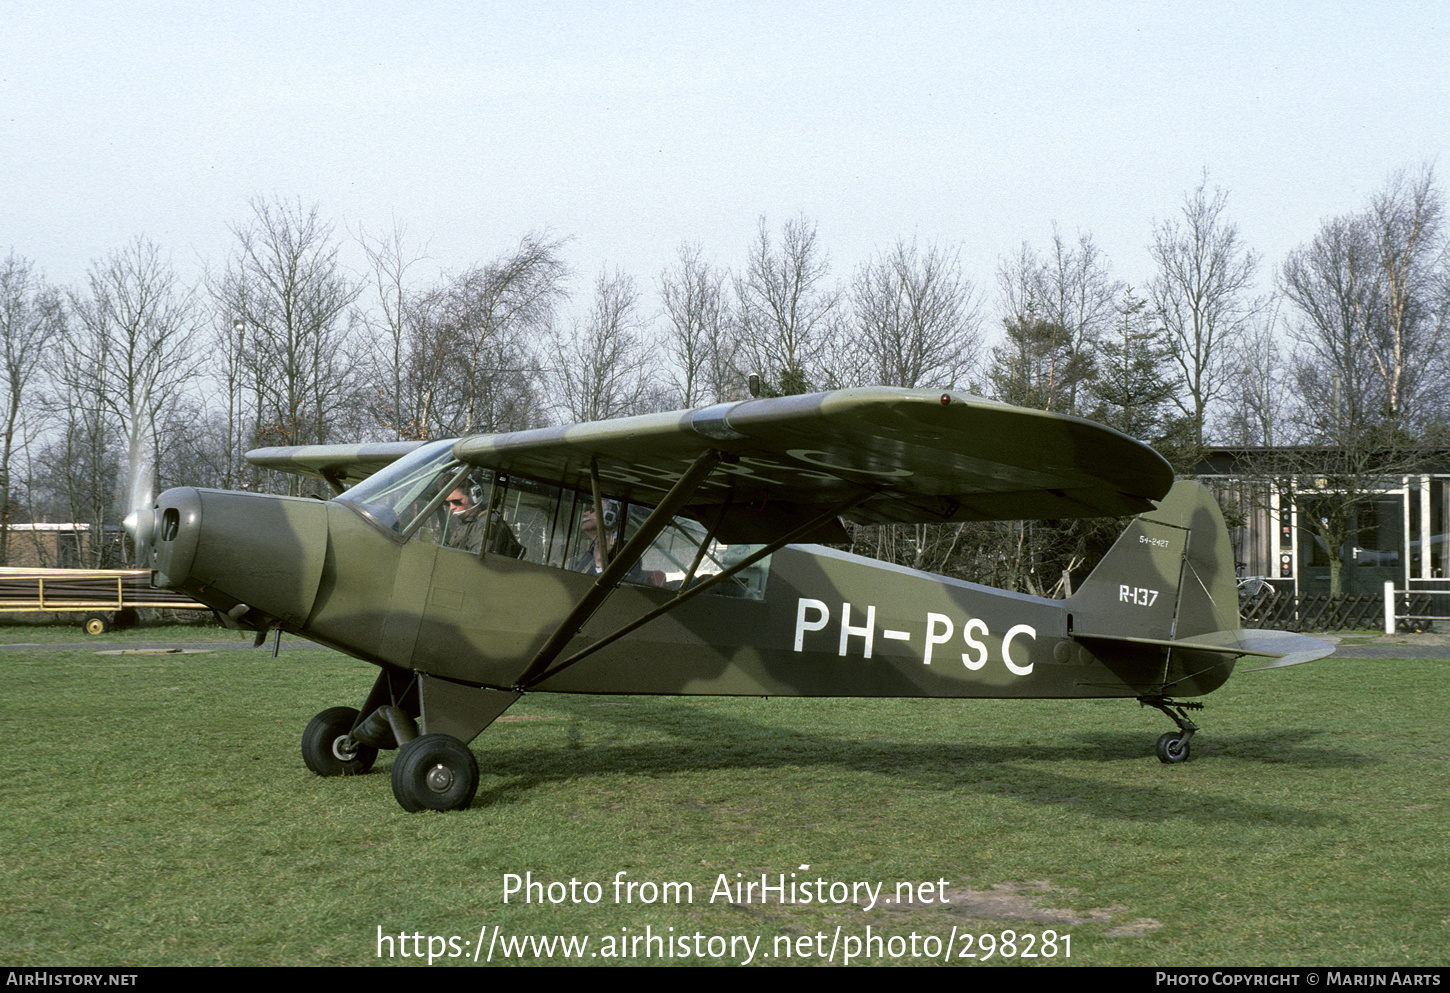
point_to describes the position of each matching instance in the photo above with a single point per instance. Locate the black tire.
(435, 772)
(96, 624)
(1172, 749)
(328, 751)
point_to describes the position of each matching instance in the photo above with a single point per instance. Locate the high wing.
(340, 466)
(913, 456)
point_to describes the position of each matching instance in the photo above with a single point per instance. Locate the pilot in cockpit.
(467, 523)
(590, 561)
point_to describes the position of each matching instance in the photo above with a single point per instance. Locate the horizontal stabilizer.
(1291, 648)
(1281, 648)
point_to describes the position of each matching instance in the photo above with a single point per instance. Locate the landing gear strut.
(1172, 747)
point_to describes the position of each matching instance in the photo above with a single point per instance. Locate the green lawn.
(154, 810)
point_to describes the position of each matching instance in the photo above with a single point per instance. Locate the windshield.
(395, 495)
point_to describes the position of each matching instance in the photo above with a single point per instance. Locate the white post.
(1426, 545)
(1389, 607)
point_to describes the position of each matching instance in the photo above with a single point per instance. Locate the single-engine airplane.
(658, 555)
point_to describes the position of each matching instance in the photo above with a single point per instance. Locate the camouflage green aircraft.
(658, 554)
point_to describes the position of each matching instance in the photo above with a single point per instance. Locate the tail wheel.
(1172, 748)
(435, 772)
(329, 751)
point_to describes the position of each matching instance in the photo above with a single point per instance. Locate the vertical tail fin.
(1169, 577)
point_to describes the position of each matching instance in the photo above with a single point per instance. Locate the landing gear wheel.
(1172, 749)
(327, 749)
(96, 624)
(435, 772)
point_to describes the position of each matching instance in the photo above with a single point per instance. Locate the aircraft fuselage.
(828, 623)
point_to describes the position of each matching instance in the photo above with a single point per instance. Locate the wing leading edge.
(340, 466)
(921, 456)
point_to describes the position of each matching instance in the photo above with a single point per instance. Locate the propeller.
(140, 521)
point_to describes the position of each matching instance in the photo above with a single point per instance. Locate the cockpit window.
(430, 496)
(678, 550)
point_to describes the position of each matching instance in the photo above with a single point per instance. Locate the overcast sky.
(631, 127)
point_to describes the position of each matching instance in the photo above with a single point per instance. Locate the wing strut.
(621, 563)
(693, 591)
(606, 553)
(709, 537)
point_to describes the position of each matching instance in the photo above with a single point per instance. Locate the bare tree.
(1258, 396)
(1056, 311)
(1200, 295)
(1371, 292)
(1056, 308)
(915, 318)
(32, 316)
(288, 291)
(700, 334)
(1405, 225)
(134, 325)
(913, 322)
(78, 476)
(390, 259)
(201, 447)
(600, 364)
(1328, 281)
(226, 434)
(471, 364)
(1370, 298)
(786, 315)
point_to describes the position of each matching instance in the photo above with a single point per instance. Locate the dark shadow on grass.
(1291, 746)
(703, 739)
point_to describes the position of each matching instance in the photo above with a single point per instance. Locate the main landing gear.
(1172, 747)
(435, 772)
(431, 772)
(329, 749)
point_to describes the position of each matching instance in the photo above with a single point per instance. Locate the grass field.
(156, 812)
